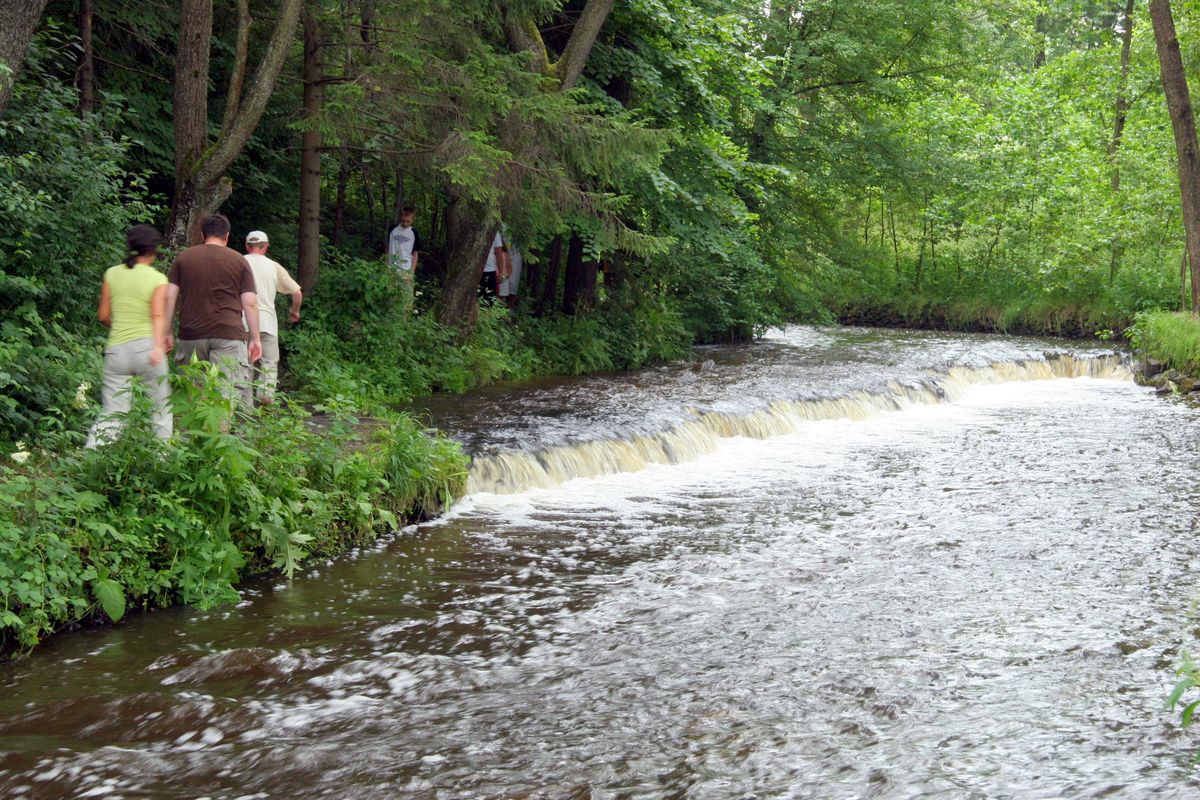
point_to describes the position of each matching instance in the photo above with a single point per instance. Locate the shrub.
(141, 522)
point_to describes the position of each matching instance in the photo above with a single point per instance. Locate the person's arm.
(169, 317)
(503, 265)
(297, 299)
(288, 286)
(250, 309)
(158, 319)
(104, 310)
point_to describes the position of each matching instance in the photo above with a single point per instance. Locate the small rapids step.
(518, 471)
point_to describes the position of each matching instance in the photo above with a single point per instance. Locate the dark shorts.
(487, 285)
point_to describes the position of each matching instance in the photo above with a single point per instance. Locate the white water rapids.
(978, 590)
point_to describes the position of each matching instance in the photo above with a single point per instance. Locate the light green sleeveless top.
(131, 290)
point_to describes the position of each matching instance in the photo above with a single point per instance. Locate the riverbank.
(91, 535)
(1018, 319)
(1168, 345)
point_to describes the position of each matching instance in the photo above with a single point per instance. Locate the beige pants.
(123, 363)
(231, 357)
(265, 374)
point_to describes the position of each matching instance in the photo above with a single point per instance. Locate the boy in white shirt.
(269, 278)
(404, 250)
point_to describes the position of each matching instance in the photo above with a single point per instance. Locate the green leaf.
(111, 596)
(1186, 717)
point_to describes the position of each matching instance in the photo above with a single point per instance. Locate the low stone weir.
(517, 471)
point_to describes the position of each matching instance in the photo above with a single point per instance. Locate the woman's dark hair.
(142, 240)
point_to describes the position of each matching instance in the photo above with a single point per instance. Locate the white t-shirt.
(269, 278)
(402, 243)
(490, 266)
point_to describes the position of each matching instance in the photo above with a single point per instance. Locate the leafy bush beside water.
(143, 523)
(357, 341)
(1171, 338)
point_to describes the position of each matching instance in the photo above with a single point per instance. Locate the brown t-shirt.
(211, 279)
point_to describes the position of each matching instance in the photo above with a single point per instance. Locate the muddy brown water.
(932, 567)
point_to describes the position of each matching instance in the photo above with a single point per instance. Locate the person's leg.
(186, 348)
(487, 286)
(405, 276)
(232, 359)
(266, 371)
(114, 398)
(158, 386)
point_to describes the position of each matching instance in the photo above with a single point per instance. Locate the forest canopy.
(672, 172)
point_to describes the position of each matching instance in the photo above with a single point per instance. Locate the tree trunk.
(370, 198)
(241, 54)
(1121, 108)
(20, 22)
(468, 236)
(190, 118)
(549, 295)
(398, 199)
(579, 286)
(308, 262)
(200, 182)
(87, 60)
(1183, 276)
(617, 274)
(339, 206)
(1183, 123)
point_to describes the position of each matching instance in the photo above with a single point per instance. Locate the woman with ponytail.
(133, 302)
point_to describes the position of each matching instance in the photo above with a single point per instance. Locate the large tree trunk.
(1183, 123)
(18, 21)
(190, 118)
(468, 236)
(309, 253)
(1121, 107)
(200, 182)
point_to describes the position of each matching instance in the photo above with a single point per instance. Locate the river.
(835, 563)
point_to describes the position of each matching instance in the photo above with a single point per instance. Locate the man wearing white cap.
(269, 278)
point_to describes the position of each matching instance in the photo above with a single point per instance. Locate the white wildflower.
(20, 456)
(81, 399)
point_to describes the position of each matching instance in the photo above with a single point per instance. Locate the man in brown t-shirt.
(214, 287)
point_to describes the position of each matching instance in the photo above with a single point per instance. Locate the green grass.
(1169, 337)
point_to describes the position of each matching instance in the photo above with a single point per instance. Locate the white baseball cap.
(257, 237)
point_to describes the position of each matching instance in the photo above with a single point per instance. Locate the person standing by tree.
(133, 302)
(214, 288)
(495, 268)
(269, 278)
(404, 250)
(508, 286)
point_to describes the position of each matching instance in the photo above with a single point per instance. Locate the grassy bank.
(92, 534)
(1170, 338)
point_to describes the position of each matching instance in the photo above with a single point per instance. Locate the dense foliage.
(145, 523)
(674, 171)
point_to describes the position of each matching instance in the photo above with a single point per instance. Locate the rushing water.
(966, 583)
